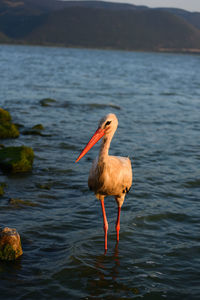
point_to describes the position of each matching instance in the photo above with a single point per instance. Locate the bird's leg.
(105, 222)
(118, 223)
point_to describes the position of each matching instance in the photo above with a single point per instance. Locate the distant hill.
(3, 38)
(191, 17)
(98, 24)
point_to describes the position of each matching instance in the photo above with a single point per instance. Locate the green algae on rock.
(32, 132)
(16, 159)
(38, 127)
(10, 244)
(4, 116)
(2, 186)
(45, 186)
(35, 130)
(7, 129)
(20, 203)
(47, 102)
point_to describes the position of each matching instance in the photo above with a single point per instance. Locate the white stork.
(109, 175)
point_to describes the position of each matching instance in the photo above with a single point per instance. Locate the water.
(157, 100)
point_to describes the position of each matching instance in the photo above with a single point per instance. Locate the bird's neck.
(105, 145)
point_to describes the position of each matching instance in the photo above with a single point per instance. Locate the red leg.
(105, 222)
(118, 223)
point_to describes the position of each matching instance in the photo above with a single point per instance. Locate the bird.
(109, 175)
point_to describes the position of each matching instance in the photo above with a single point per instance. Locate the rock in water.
(2, 186)
(7, 128)
(4, 116)
(47, 102)
(10, 244)
(16, 159)
(38, 127)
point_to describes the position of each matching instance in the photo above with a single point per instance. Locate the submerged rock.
(38, 127)
(10, 244)
(2, 186)
(19, 202)
(35, 130)
(47, 102)
(4, 116)
(7, 128)
(32, 132)
(45, 186)
(16, 159)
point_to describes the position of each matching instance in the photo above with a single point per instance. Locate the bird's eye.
(107, 123)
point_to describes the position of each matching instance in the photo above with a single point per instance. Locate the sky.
(191, 5)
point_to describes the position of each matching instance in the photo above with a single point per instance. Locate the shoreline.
(192, 51)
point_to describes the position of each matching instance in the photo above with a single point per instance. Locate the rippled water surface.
(156, 98)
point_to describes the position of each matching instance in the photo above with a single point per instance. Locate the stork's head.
(107, 127)
(108, 124)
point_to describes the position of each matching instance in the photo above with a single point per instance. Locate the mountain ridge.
(98, 24)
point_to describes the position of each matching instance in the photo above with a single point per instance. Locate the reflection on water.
(100, 272)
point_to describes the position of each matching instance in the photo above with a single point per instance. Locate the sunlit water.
(156, 98)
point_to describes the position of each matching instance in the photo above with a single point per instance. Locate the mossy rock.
(10, 244)
(32, 132)
(35, 130)
(47, 102)
(38, 127)
(7, 253)
(4, 116)
(16, 159)
(19, 202)
(7, 129)
(45, 186)
(2, 186)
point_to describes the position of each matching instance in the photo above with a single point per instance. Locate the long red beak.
(95, 138)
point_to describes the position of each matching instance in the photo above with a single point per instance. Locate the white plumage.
(109, 175)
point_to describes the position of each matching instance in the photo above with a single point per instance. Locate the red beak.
(95, 138)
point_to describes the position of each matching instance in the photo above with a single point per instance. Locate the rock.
(38, 127)
(47, 102)
(7, 128)
(35, 130)
(4, 116)
(10, 244)
(19, 202)
(45, 186)
(19, 126)
(32, 132)
(2, 186)
(16, 159)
